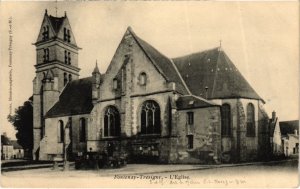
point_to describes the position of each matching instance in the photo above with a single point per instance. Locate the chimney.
(296, 132)
(4, 134)
(273, 115)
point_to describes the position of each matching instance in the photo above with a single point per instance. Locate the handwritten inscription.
(181, 179)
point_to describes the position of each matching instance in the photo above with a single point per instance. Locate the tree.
(22, 121)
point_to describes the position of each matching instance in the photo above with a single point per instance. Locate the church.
(196, 108)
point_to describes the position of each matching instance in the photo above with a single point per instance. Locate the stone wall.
(207, 139)
(53, 147)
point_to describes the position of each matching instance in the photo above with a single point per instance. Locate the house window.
(46, 55)
(143, 79)
(190, 140)
(45, 32)
(225, 120)
(150, 118)
(82, 130)
(190, 118)
(60, 131)
(65, 79)
(115, 84)
(250, 120)
(112, 122)
(70, 77)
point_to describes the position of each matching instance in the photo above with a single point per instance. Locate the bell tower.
(56, 65)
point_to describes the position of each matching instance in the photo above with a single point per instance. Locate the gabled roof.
(213, 69)
(162, 63)
(190, 102)
(5, 140)
(56, 22)
(16, 145)
(289, 127)
(75, 99)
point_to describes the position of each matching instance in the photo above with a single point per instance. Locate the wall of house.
(291, 145)
(206, 131)
(8, 151)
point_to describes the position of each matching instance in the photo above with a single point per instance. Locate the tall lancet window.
(60, 131)
(225, 120)
(112, 126)
(150, 118)
(65, 78)
(250, 120)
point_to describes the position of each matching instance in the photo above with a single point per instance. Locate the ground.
(274, 174)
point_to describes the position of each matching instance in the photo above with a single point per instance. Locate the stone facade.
(137, 81)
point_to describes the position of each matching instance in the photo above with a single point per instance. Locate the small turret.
(96, 83)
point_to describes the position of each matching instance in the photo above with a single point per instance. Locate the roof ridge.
(180, 76)
(203, 51)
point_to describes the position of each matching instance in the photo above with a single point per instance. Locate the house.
(18, 152)
(7, 149)
(290, 137)
(192, 109)
(275, 135)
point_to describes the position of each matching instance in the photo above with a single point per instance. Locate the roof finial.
(220, 43)
(46, 12)
(96, 69)
(55, 8)
(65, 13)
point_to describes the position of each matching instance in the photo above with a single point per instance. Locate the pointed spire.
(220, 47)
(65, 14)
(46, 12)
(96, 69)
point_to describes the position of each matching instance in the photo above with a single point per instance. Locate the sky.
(261, 38)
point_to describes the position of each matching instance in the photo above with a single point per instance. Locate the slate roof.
(289, 127)
(164, 64)
(16, 145)
(190, 101)
(5, 140)
(213, 69)
(75, 99)
(56, 22)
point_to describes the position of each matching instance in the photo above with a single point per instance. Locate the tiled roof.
(162, 63)
(56, 22)
(289, 127)
(75, 99)
(190, 102)
(213, 69)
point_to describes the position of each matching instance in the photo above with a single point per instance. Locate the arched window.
(115, 84)
(66, 57)
(45, 32)
(112, 122)
(250, 120)
(46, 55)
(65, 79)
(60, 131)
(82, 130)
(150, 118)
(226, 120)
(69, 58)
(143, 78)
